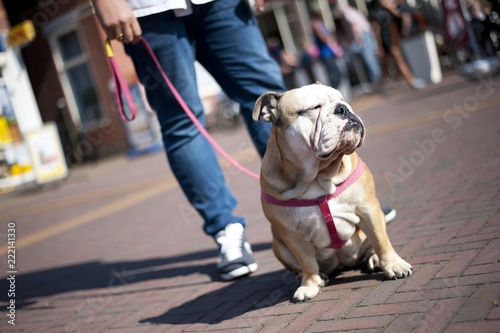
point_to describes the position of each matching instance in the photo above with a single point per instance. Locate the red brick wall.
(48, 90)
(109, 137)
(50, 9)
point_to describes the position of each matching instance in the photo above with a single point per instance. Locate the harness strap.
(336, 243)
(322, 202)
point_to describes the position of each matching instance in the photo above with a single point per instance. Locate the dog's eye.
(302, 112)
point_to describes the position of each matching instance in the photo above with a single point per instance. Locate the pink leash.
(322, 202)
(122, 87)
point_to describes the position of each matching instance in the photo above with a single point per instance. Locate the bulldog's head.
(314, 116)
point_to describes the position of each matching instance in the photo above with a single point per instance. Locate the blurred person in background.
(360, 38)
(383, 16)
(329, 49)
(286, 60)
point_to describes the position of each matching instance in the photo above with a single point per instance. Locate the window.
(75, 70)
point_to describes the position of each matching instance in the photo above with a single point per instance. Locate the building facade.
(72, 85)
(19, 113)
(70, 76)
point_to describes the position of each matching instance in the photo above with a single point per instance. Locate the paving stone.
(148, 267)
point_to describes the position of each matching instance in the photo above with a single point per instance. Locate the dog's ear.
(267, 107)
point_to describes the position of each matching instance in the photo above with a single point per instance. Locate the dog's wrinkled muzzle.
(354, 123)
(341, 130)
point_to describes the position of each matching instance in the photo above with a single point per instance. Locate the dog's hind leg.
(284, 255)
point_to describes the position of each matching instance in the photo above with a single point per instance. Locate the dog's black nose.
(341, 109)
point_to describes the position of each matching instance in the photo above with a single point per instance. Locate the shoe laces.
(230, 240)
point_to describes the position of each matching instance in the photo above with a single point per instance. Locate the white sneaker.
(390, 214)
(418, 83)
(235, 255)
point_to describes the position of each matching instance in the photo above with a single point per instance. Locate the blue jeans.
(333, 71)
(224, 37)
(368, 52)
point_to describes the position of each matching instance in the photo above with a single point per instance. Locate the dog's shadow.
(251, 294)
(249, 298)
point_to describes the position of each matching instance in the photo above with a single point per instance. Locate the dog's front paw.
(310, 288)
(397, 268)
(305, 293)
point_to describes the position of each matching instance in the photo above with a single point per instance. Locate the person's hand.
(118, 20)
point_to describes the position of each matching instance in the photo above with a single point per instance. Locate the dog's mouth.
(356, 126)
(336, 136)
(352, 137)
(325, 156)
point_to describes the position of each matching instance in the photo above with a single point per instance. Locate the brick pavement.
(116, 248)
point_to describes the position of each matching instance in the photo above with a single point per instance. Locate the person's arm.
(118, 20)
(358, 34)
(352, 20)
(321, 33)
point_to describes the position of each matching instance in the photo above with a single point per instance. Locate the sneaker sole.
(390, 216)
(239, 272)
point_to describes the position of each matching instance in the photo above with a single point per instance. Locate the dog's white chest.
(310, 223)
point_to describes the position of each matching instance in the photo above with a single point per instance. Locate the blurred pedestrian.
(329, 48)
(308, 56)
(383, 16)
(224, 37)
(362, 40)
(287, 61)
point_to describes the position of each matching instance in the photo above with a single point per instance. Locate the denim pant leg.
(368, 53)
(231, 47)
(333, 71)
(191, 158)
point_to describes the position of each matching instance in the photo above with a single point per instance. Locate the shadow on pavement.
(253, 294)
(101, 275)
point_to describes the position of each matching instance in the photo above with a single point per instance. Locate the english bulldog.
(317, 193)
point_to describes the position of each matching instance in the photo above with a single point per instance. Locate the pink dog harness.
(322, 202)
